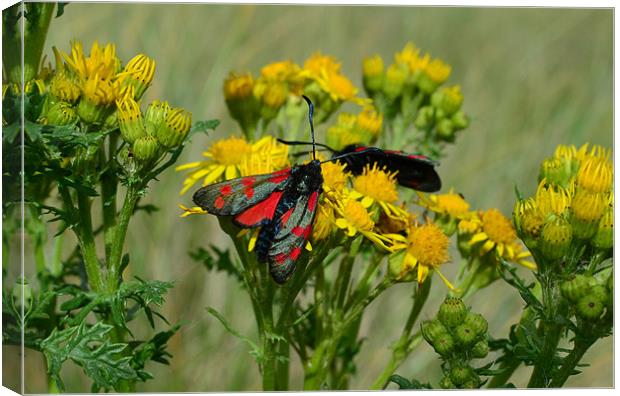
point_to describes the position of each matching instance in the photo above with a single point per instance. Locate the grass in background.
(532, 79)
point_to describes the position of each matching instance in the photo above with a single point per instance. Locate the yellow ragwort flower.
(238, 86)
(411, 56)
(595, 174)
(372, 66)
(369, 121)
(377, 185)
(317, 63)
(353, 218)
(139, 73)
(226, 159)
(101, 61)
(552, 199)
(323, 223)
(427, 250)
(497, 233)
(438, 71)
(451, 204)
(334, 176)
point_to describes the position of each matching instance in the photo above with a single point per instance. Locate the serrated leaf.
(90, 348)
(9, 132)
(148, 291)
(77, 302)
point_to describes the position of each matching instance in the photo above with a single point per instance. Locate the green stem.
(86, 240)
(571, 361)
(405, 345)
(109, 184)
(120, 232)
(508, 367)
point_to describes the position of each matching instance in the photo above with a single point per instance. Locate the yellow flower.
(369, 121)
(438, 71)
(516, 254)
(284, 72)
(377, 185)
(339, 88)
(318, 63)
(427, 250)
(130, 118)
(238, 86)
(334, 176)
(410, 56)
(497, 233)
(101, 61)
(323, 223)
(451, 204)
(63, 87)
(372, 66)
(99, 91)
(588, 206)
(595, 174)
(353, 218)
(227, 159)
(552, 199)
(139, 73)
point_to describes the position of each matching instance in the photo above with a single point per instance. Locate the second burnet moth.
(283, 204)
(414, 171)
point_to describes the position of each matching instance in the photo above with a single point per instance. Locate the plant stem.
(571, 361)
(120, 232)
(403, 347)
(109, 183)
(86, 240)
(502, 378)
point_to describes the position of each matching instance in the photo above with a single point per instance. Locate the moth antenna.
(310, 114)
(300, 143)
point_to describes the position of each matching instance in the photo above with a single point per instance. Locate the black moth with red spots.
(414, 170)
(282, 203)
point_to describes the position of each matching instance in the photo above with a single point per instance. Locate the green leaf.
(204, 126)
(9, 132)
(219, 260)
(254, 349)
(90, 348)
(148, 291)
(404, 383)
(61, 8)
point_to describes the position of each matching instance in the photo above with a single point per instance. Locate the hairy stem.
(86, 240)
(571, 361)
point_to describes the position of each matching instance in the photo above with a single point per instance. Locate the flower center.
(357, 215)
(497, 226)
(230, 151)
(429, 245)
(334, 175)
(377, 184)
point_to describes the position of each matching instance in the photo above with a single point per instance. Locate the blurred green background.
(532, 79)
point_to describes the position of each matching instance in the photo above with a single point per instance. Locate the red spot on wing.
(219, 202)
(286, 216)
(414, 156)
(299, 231)
(226, 190)
(248, 181)
(249, 192)
(312, 201)
(280, 176)
(280, 258)
(295, 253)
(360, 148)
(263, 210)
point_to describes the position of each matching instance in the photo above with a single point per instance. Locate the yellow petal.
(189, 165)
(367, 201)
(308, 246)
(231, 172)
(445, 280)
(422, 273)
(488, 245)
(214, 175)
(479, 237)
(500, 248)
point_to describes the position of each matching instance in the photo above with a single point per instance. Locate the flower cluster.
(279, 85)
(458, 336)
(410, 90)
(573, 205)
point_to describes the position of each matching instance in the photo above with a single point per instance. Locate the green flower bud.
(446, 383)
(590, 307)
(477, 322)
(60, 113)
(146, 148)
(394, 81)
(111, 121)
(604, 237)
(91, 112)
(600, 292)
(464, 334)
(425, 117)
(556, 171)
(445, 130)
(449, 99)
(373, 72)
(460, 120)
(175, 129)
(130, 119)
(452, 312)
(155, 116)
(577, 287)
(432, 329)
(472, 383)
(480, 349)
(443, 344)
(556, 237)
(461, 374)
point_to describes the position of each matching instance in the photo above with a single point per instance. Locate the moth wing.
(294, 229)
(414, 171)
(232, 197)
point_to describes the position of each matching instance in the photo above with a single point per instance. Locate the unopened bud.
(60, 113)
(452, 312)
(373, 72)
(477, 322)
(590, 307)
(145, 148)
(555, 238)
(577, 287)
(464, 334)
(480, 349)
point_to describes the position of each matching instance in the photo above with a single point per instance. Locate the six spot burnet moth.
(414, 171)
(284, 203)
